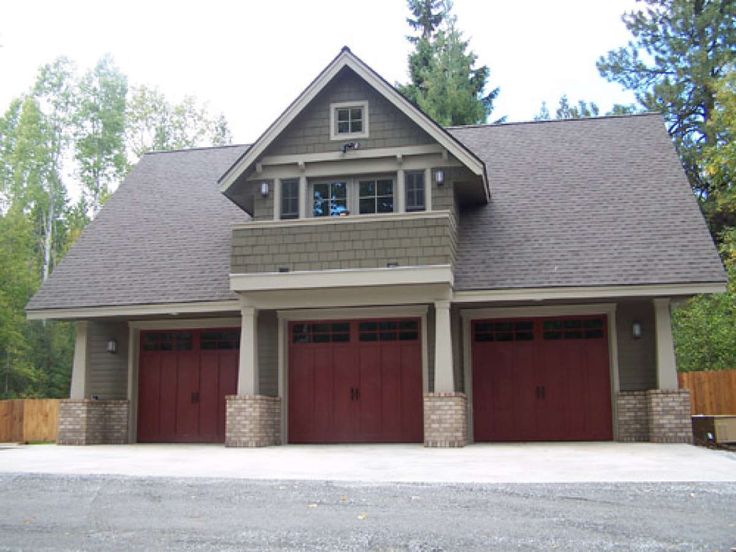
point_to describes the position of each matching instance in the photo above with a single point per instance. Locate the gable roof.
(163, 237)
(600, 201)
(592, 202)
(347, 59)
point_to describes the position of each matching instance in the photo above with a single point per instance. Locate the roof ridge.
(578, 119)
(197, 148)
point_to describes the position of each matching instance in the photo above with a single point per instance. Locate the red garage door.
(355, 381)
(183, 378)
(541, 379)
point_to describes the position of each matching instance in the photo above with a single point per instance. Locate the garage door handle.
(195, 397)
(352, 393)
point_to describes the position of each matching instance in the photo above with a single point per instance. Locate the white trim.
(400, 196)
(133, 358)
(80, 364)
(193, 324)
(664, 346)
(350, 277)
(428, 190)
(607, 309)
(369, 153)
(312, 221)
(286, 316)
(171, 309)
(354, 166)
(586, 292)
(368, 296)
(334, 135)
(347, 59)
(352, 313)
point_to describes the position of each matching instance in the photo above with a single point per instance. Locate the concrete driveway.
(482, 463)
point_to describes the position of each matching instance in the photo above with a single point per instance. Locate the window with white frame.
(348, 120)
(343, 196)
(289, 199)
(415, 192)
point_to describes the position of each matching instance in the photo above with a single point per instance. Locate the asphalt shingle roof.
(163, 237)
(582, 202)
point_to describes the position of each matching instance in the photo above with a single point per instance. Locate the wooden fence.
(26, 420)
(710, 392)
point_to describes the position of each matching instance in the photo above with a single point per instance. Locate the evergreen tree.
(679, 52)
(445, 83)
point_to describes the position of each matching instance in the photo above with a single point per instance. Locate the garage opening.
(541, 379)
(183, 379)
(356, 381)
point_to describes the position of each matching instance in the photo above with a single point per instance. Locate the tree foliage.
(704, 330)
(679, 51)
(444, 79)
(69, 133)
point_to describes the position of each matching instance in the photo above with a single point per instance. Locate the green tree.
(153, 123)
(704, 329)
(567, 111)
(445, 82)
(99, 140)
(679, 52)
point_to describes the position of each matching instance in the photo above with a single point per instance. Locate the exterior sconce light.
(439, 177)
(112, 346)
(264, 189)
(636, 330)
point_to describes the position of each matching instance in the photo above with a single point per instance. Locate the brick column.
(632, 416)
(90, 422)
(669, 416)
(445, 420)
(252, 421)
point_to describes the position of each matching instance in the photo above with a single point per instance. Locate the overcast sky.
(249, 60)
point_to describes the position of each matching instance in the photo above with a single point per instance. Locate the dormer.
(351, 145)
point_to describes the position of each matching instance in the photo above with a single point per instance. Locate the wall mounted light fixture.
(112, 346)
(439, 177)
(636, 330)
(264, 189)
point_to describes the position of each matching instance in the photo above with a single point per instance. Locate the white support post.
(248, 369)
(666, 364)
(401, 190)
(277, 199)
(79, 366)
(444, 377)
(428, 189)
(302, 196)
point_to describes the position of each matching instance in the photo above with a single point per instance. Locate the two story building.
(361, 274)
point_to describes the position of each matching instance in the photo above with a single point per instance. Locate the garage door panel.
(337, 403)
(182, 388)
(149, 378)
(369, 385)
(411, 393)
(301, 393)
(168, 394)
(552, 384)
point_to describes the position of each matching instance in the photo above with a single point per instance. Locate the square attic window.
(348, 120)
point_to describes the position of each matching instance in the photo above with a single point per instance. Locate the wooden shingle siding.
(108, 373)
(268, 356)
(310, 131)
(338, 245)
(636, 357)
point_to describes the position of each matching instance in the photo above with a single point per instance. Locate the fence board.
(40, 419)
(29, 420)
(711, 392)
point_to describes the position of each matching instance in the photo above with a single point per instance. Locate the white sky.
(250, 59)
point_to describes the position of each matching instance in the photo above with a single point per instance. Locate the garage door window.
(167, 341)
(321, 332)
(220, 340)
(390, 330)
(573, 329)
(522, 330)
